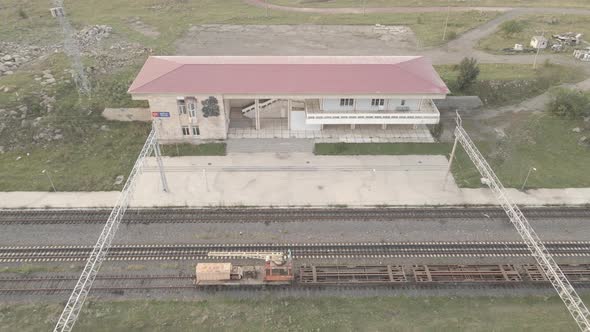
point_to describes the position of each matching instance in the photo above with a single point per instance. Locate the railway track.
(299, 251)
(269, 215)
(309, 277)
(111, 283)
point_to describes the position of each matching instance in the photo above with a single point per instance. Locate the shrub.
(22, 14)
(451, 35)
(436, 130)
(569, 103)
(468, 72)
(512, 27)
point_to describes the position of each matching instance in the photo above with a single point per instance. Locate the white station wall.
(333, 105)
(298, 122)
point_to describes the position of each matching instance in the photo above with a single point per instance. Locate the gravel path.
(325, 231)
(369, 10)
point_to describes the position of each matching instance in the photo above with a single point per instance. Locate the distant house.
(195, 98)
(539, 42)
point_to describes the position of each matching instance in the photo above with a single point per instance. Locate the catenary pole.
(562, 286)
(80, 292)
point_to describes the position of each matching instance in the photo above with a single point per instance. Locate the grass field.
(541, 141)
(209, 149)
(538, 140)
(88, 158)
(427, 3)
(310, 314)
(536, 25)
(382, 148)
(173, 18)
(500, 71)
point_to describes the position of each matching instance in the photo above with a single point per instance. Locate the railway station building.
(203, 98)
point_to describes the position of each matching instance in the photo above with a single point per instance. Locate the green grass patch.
(397, 313)
(186, 149)
(532, 140)
(428, 3)
(495, 71)
(505, 84)
(538, 140)
(382, 148)
(89, 161)
(535, 25)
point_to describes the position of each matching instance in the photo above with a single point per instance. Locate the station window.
(346, 102)
(185, 131)
(377, 102)
(181, 106)
(192, 108)
(196, 131)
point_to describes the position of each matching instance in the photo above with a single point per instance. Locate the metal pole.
(267, 9)
(451, 162)
(537, 53)
(546, 262)
(50, 181)
(527, 178)
(446, 22)
(158, 155)
(69, 315)
(364, 7)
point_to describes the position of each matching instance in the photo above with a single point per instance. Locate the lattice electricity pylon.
(71, 48)
(564, 289)
(76, 301)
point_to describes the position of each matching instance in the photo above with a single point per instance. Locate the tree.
(210, 107)
(512, 27)
(468, 72)
(569, 103)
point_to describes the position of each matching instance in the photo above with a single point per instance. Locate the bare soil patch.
(216, 39)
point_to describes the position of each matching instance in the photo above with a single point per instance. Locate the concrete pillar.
(322, 126)
(352, 126)
(420, 104)
(384, 126)
(257, 113)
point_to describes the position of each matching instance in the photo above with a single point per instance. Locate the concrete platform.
(303, 179)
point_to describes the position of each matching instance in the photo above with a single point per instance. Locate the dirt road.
(457, 49)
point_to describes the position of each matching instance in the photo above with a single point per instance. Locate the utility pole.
(527, 177)
(71, 48)
(364, 2)
(538, 51)
(50, 181)
(267, 9)
(446, 22)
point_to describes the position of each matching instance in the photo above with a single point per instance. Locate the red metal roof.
(286, 75)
